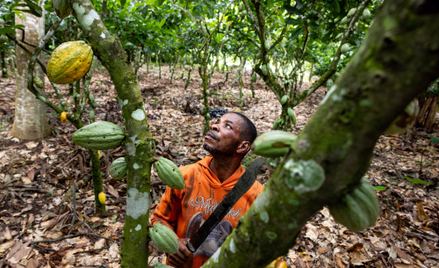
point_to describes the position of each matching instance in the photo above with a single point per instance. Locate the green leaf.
(296, 33)
(6, 30)
(34, 8)
(417, 181)
(336, 6)
(433, 139)
(380, 188)
(292, 21)
(148, 2)
(162, 22)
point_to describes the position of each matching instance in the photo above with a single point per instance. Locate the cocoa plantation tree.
(4, 45)
(203, 50)
(287, 41)
(140, 145)
(398, 59)
(429, 103)
(30, 121)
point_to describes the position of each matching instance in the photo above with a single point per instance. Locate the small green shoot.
(380, 188)
(417, 181)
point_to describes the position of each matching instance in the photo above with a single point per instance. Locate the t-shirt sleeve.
(168, 209)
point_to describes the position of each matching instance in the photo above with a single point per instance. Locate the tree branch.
(379, 82)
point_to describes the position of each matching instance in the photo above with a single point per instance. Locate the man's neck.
(224, 167)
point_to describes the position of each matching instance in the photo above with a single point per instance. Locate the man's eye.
(228, 126)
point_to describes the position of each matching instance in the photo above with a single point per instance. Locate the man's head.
(232, 134)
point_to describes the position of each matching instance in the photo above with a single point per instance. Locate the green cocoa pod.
(345, 48)
(208, 116)
(337, 74)
(264, 69)
(254, 78)
(292, 116)
(267, 44)
(100, 135)
(273, 144)
(62, 8)
(405, 119)
(329, 83)
(91, 115)
(359, 209)
(38, 82)
(345, 20)
(164, 238)
(276, 124)
(284, 99)
(118, 168)
(351, 12)
(366, 14)
(3, 39)
(169, 173)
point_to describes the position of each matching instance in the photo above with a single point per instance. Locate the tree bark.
(30, 120)
(426, 117)
(4, 66)
(140, 145)
(398, 59)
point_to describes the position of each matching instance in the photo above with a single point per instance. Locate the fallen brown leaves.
(35, 175)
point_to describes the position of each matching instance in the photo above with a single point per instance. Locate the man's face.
(223, 136)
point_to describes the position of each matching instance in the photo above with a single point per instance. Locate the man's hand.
(183, 256)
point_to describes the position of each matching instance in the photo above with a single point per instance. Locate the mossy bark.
(398, 59)
(140, 145)
(95, 164)
(188, 81)
(4, 66)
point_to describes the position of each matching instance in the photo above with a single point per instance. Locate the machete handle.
(190, 247)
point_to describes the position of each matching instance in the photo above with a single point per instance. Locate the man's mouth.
(210, 136)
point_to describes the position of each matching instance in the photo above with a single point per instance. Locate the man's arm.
(168, 209)
(167, 213)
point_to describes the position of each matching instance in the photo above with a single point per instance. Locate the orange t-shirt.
(185, 210)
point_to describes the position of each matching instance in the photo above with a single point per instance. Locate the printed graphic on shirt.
(207, 206)
(214, 240)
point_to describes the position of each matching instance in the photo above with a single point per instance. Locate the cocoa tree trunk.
(427, 115)
(30, 121)
(140, 145)
(398, 59)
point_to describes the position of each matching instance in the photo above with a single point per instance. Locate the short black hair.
(248, 129)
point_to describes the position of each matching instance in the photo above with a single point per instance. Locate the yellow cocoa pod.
(282, 265)
(69, 62)
(64, 117)
(102, 198)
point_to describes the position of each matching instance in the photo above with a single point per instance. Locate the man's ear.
(243, 147)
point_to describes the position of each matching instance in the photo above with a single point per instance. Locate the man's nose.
(214, 127)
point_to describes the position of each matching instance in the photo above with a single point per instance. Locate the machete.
(241, 187)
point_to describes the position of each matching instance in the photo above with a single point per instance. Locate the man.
(207, 182)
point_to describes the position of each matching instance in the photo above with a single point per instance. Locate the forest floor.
(36, 226)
